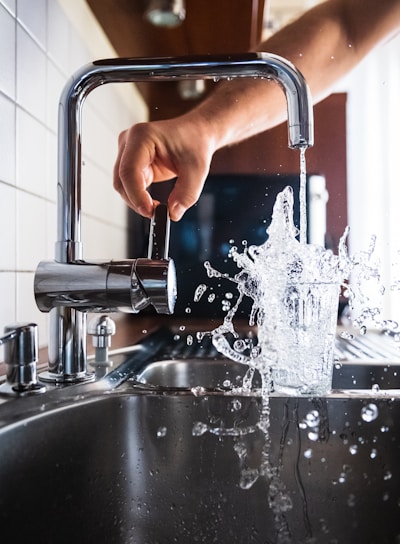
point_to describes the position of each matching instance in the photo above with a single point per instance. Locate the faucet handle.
(21, 355)
(157, 273)
(159, 233)
(22, 343)
(131, 284)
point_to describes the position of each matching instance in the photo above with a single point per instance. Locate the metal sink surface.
(158, 452)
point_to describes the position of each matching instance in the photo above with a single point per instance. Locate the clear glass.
(298, 343)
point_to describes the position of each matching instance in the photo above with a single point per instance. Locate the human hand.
(159, 151)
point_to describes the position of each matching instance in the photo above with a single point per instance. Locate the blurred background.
(42, 42)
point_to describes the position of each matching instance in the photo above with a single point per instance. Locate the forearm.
(324, 44)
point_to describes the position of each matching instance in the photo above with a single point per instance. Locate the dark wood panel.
(211, 26)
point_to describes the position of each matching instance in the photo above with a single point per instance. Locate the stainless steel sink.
(142, 458)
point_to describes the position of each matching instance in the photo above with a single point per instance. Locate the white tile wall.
(7, 52)
(41, 45)
(7, 139)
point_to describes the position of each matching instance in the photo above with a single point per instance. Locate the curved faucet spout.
(264, 65)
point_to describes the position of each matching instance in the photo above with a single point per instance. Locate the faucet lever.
(159, 233)
(157, 274)
(21, 355)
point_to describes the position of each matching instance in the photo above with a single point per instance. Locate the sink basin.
(134, 466)
(148, 460)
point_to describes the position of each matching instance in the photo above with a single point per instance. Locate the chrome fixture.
(165, 13)
(101, 329)
(21, 356)
(70, 287)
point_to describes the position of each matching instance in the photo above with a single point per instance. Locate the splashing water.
(294, 288)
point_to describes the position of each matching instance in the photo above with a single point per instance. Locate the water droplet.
(373, 453)
(236, 405)
(353, 449)
(351, 500)
(387, 475)
(188, 310)
(369, 412)
(161, 432)
(308, 453)
(312, 419)
(255, 352)
(384, 429)
(189, 340)
(347, 335)
(200, 290)
(248, 477)
(182, 328)
(199, 428)
(240, 450)
(198, 391)
(239, 345)
(375, 388)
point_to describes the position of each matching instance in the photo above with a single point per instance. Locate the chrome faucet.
(69, 287)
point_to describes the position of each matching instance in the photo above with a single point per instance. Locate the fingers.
(159, 151)
(187, 190)
(132, 173)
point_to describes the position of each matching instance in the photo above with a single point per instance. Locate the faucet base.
(58, 379)
(15, 390)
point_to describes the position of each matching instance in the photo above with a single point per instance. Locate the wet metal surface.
(94, 463)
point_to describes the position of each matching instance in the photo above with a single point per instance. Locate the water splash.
(266, 274)
(369, 412)
(276, 275)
